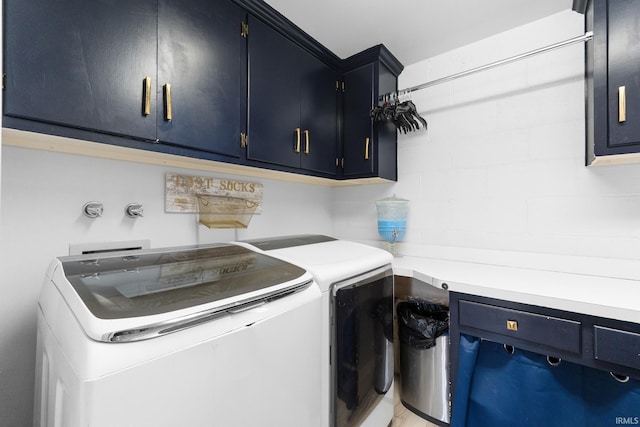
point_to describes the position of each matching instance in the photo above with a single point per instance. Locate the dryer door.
(362, 345)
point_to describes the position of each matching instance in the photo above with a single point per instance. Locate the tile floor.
(402, 417)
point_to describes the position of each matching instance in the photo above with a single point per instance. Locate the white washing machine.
(216, 335)
(356, 282)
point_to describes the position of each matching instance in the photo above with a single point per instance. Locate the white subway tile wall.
(501, 165)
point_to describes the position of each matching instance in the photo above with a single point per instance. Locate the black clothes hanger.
(404, 115)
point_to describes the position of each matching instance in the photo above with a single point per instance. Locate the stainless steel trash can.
(424, 380)
(424, 359)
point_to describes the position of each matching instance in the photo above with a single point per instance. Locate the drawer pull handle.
(622, 104)
(553, 361)
(512, 325)
(366, 149)
(509, 349)
(619, 378)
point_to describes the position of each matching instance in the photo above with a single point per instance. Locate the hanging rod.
(579, 39)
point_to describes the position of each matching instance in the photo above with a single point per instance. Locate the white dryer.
(216, 335)
(356, 282)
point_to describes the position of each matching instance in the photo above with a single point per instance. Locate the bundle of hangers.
(403, 114)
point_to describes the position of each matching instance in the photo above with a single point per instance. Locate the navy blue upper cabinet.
(358, 152)
(165, 71)
(613, 78)
(224, 80)
(201, 75)
(369, 149)
(292, 119)
(81, 64)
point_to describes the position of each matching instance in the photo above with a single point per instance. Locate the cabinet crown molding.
(375, 53)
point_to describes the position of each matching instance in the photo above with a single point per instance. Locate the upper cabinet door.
(624, 72)
(369, 149)
(82, 63)
(274, 129)
(201, 75)
(358, 141)
(318, 115)
(613, 79)
(292, 104)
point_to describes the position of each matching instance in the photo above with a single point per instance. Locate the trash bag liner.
(421, 322)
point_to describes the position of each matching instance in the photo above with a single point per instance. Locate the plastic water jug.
(392, 219)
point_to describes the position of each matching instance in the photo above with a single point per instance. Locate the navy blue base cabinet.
(519, 364)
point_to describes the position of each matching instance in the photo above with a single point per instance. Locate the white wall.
(502, 163)
(42, 198)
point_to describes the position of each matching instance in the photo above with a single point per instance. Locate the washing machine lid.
(329, 260)
(159, 291)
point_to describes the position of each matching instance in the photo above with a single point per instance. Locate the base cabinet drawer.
(617, 346)
(557, 333)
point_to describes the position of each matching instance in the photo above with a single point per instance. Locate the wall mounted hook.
(92, 209)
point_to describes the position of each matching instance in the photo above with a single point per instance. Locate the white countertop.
(601, 287)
